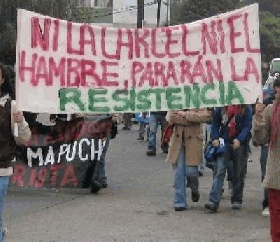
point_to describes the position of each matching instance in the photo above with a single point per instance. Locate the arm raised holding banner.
(20, 127)
(190, 116)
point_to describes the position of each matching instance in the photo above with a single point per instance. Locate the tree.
(193, 10)
(269, 6)
(269, 28)
(269, 35)
(8, 21)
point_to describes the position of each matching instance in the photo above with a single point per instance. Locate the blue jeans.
(181, 172)
(4, 183)
(263, 161)
(155, 120)
(206, 134)
(219, 174)
(142, 127)
(239, 167)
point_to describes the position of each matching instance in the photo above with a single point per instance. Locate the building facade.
(95, 3)
(125, 12)
(122, 13)
(93, 11)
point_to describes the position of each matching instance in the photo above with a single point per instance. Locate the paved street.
(137, 205)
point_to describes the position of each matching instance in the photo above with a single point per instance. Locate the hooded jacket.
(243, 126)
(8, 139)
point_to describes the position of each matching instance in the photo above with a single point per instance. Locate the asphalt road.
(137, 205)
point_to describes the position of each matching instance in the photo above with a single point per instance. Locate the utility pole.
(158, 12)
(168, 12)
(140, 13)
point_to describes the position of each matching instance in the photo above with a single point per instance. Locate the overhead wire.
(125, 10)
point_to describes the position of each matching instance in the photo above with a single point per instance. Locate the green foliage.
(8, 21)
(272, 6)
(193, 10)
(270, 34)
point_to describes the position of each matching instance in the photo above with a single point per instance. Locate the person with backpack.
(14, 130)
(266, 129)
(231, 125)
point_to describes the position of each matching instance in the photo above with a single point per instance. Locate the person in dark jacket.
(14, 129)
(231, 126)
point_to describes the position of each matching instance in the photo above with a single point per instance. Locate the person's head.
(7, 83)
(276, 86)
(2, 75)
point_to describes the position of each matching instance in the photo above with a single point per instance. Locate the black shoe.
(195, 196)
(250, 158)
(103, 185)
(213, 207)
(151, 152)
(140, 139)
(95, 187)
(179, 209)
(125, 128)
(236, 205)
(200, 173)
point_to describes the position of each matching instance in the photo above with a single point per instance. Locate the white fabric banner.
(65, 67)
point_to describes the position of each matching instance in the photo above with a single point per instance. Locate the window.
(84, 3)
(110, 4)
(102, 3)
(80, 3)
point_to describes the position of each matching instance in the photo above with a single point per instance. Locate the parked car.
(268, 91)
(274, 66)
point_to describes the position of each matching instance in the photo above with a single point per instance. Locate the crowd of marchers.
(220, 139)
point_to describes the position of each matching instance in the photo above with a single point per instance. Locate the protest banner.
(65, 67)
(61, 156)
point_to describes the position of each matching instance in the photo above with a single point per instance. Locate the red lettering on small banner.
(18, 176)
(54, 174)
(69, 177)
(37, 177)
(61, 157)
